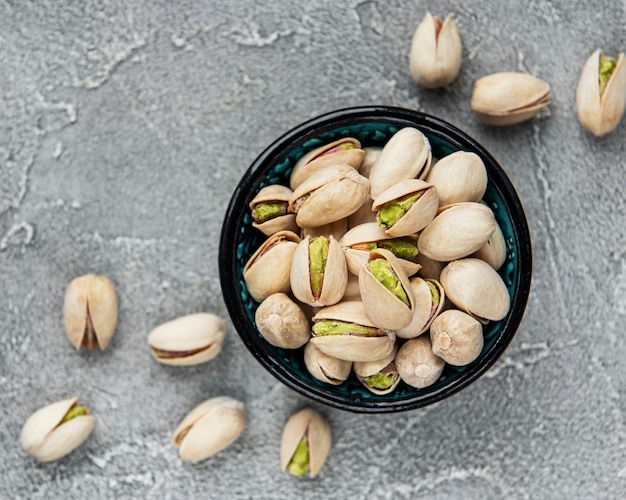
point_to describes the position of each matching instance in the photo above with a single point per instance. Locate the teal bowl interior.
(372, 126)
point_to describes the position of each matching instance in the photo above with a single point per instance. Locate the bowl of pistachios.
(375, 259)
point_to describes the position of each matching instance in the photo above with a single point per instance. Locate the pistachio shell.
(326, 368)
(407, 155)
(436, 52)
(332, 194)
(320, 158)
(457, 231)
(416, 363)
(188, 340)
(459, 177)
(335, 275)
(600, 112)
(268, 270)
(456, 337)
(476, 288)
(493, 252)
(371, 154)
(419, 215)
(282, 322)
(508, 98)
(209, 428)
(45, 438)
(425, 311)
(310, 424)
(90, 312)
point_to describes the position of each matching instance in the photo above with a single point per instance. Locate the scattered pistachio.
(305, 443)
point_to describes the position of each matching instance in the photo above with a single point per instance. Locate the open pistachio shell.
(429, 301)
(268, 270)
(417, 364)
(476, 288)
(331, 194)
(326, 368)
(47, 437)
(385, 309)
(457, 231)
(345, 151)
(282, 322)
(493, 252)
(459, 177)
(379, 376)
(419, 215)
(456, 337)
(407, 155)
(278, 219)
(309, 425)
(188, 340)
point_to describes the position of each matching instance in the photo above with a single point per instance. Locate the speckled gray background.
(124, 128)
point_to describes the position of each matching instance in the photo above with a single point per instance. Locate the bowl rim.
(300, 134)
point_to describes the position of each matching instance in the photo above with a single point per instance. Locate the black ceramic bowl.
(373, 126)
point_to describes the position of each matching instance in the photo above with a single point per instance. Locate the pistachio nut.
(370, 156)
(417, 365)
(456, 337)
(269, 210)
(305, 443)
(386, 291)
(333, 193)
(406, 207)
(188, 340)
(56, 429)
(345, 331)
(476, 288)
(601, 93)
(326, 368)
(319, 273)
(436, 52)
(407, 155)
(209, 428)
(493, 252)
(457, 231)
(508, 98)
(380, 376)
(267, 271)
(282, 322)
(459, 177)
(345, 151)
(429, 301)
(360, 240)
(90, 312)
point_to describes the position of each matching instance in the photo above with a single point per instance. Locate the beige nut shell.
(307, 422)
(416, 363)
(326, 368)
(493, 252)
(456, 337)
(459, 177)
(423, 314)
(282, 322)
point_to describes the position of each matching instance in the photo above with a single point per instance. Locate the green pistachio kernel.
(346, 146)
(299, 463)
(318, 254)
(332, 327)
(379, 381)
(607, 66)
(266, 211)
(382, 271)
(391, 212)
(74, 411)
(402, 249)
(434, 292)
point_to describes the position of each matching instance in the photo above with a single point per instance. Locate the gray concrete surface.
(124, 128)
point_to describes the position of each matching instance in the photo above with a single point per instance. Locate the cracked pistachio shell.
(369, 232)
(267, 271)
(419, 215)
(425, 310)
(457, 231)
(331, 194)
(282, 322)
(459, 177)
(600, 108)
(326, 156)
(417, 364)
(326, 368)
(188, 340)
(493, 252)
(285, 222)
(385, 309)
(436, 52)
(46, 438)
(407, 155)
(309, 424)
(209, 428)
(508, 98)
(476, 288)
(384, 366)
(90, 312)
(456, 337)
(353, 347)
(335, 274)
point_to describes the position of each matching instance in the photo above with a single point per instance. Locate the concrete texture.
(124, 128)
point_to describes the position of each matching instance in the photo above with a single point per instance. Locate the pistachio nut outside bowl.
(373, 126)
